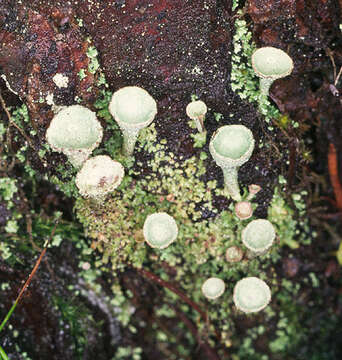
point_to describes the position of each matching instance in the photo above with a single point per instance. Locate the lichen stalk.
(230, 175)
(130, 137)
(199, 121)
(77, 157)
(265, 84)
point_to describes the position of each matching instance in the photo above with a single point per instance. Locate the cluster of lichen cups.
(76, 132)
(231, 146)
(251, 294)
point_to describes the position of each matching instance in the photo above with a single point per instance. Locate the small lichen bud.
(243, 210)
(253, 189)
(196, 111)
(234, 254)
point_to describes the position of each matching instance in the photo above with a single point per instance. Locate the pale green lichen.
(270, 64)
(196, 111)
(99, 176)
(133, 108)
(82, 75)
(76, 132)
(231, 146)
(160, 230)
(200, 139)
(251, 294)
(11, 226)
(177, 187)
(213, 288)
(258, 236)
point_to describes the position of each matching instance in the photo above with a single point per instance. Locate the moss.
(94, 64)
(200, 139)
(8, 188)
(292, 228)
(77, 319)
(128, 353)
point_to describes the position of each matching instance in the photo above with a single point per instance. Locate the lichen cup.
(160, 230)
(133, 108)
(213, 288)
(270, 64)
(99, 176)
(258, 236)
(76, 132)
(231, 146)
(196, 111)
(251, 294)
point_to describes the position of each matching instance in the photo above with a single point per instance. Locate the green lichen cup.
(160, 230)
(231, 146)
(133, 108)
(76, 132)
(258, 236)
(213, 288)
(196, 111)
(251, 294)
(270, 64)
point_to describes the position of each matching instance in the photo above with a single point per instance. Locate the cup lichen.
(196, 111)
(213, 288)
(231, 146)
(258, 236)
(133, 108)
(270, 64)
(251, 294)
(76, 132)
(160, 230)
